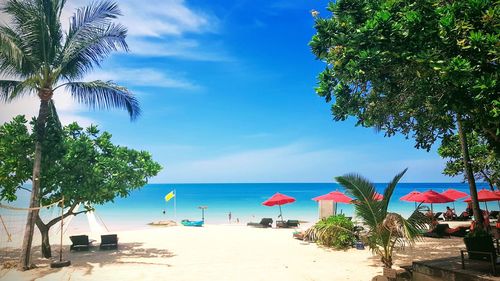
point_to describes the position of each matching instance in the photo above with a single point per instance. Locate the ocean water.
(244, 201)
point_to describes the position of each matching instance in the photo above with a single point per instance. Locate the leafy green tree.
(84, 168)
(38, 57)
(386, 230)
(420, 68)
(485, 163)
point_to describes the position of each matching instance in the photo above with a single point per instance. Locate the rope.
(102, 222)
(9, 235)
(28, 209)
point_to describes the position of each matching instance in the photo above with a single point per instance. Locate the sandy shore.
(220, 252)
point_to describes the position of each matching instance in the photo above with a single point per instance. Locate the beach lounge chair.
(287, 224)
(108, 242)
(80, 243)
(494, 215)
(463, 217)
(485, 251)
(439, 231)
(437, 216)
(264, 223)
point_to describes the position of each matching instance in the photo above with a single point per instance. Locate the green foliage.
(83, 165)
(411, 67)
(485, 163)
(386, 230)
(334, 231)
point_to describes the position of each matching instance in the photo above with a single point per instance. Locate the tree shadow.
(425, 249)
(127, 253)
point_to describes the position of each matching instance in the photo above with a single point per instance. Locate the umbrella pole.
(486, 206)
(432, 210)
(281, 215)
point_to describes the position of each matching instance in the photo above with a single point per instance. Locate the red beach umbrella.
(485, 195)
(377, 196)
(431, 196)
(454, 194)
(335, 196)
(409, 197)
(278, 199)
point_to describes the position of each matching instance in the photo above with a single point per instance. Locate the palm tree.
(386, 230)
(38, 56)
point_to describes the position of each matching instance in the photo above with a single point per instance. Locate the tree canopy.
(83, 165)
(485, 163)
(412, 67)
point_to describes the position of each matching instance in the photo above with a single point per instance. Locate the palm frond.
(389, 190)
(12, 89)
(12, 56)
(363, 190)
(91, 38)
(104, 95)
(39, 27)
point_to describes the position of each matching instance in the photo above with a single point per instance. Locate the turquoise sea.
(243, 201)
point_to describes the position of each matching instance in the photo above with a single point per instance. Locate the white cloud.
(297, 162)
(141, 77)
(68, 110)
(159, 28)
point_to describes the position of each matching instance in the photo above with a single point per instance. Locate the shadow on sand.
(127, 253)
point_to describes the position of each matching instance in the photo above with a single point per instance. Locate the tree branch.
(67, 214)
(24, 188)
(487, 178)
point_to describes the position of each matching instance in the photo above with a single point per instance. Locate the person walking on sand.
(229, 216)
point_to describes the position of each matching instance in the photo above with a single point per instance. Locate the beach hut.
(328, 203)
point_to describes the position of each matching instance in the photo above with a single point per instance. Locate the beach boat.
(192, 223)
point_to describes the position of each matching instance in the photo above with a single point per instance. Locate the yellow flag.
(169, 196)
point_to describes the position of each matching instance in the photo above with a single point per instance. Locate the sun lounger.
(439, 231)
(80, 243)
(493, 214)
(462, 217)
(485, 251)
(437, 216)
(264, 223)
(109, 242)
(287, 224)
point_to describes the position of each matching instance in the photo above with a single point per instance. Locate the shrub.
(335, 231)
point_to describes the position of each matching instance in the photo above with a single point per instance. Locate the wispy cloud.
(146, 77)
(162, 28)
(298, 162)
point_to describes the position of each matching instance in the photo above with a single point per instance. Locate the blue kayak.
(191, 223)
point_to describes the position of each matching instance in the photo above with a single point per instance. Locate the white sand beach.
(219, 252)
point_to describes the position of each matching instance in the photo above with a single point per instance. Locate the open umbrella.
(431, 196)
(409, 197)
(454, 194)
(485, 195)
(377, 196)
(278, 199)
(335, 196)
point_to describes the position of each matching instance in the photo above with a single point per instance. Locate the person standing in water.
(229, 216)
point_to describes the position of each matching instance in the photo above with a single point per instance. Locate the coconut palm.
(37, 56)
(386, 231)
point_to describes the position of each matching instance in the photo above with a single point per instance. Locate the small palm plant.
(386, 231)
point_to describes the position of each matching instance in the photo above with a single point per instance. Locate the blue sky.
(227, 92)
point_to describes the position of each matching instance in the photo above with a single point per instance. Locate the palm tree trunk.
(25, 258)
(469, 173)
